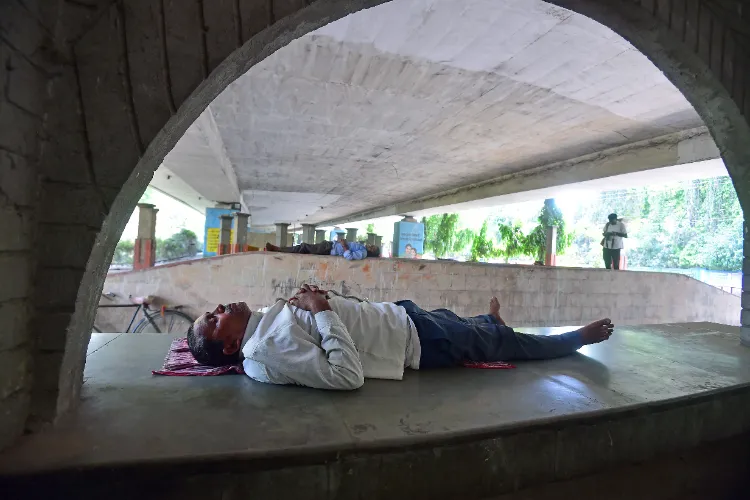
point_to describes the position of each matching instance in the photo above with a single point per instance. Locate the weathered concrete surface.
(402, 101)
(113, 74)
(435, 435)
(648, 162)
(529, 295)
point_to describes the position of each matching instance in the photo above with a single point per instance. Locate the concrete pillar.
(320, 235)
(225, 235)
(745, 315)
(378, 241)
(550, 246)
(351, 234)
(308, 233)
(144, 253)
(239, 238)
(282, 234)
(371, 238)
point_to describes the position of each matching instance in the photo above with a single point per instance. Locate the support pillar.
(378, 241)
(320, 235)
(371, 238)
(239, 237)
(308, 233)
(144, 253)
(745, 315)
(550, 246)
(282, 234)
(351, 234)
(225, 235)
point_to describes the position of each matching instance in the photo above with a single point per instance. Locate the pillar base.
(144, 253)
(224, 249)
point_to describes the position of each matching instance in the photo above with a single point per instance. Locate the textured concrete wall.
(260, 239)
(529, 295)
(23, 75)
(95, 93)
(745, 317)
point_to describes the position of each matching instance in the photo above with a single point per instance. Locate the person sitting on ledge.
(350, 251)
(311, 340)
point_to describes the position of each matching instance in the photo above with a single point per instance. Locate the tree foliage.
(124, 253)
(690, 224)
(442, 236)
(482, 247)
(514, 243)
(181, 244)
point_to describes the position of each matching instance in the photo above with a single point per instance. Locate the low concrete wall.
(529, 295)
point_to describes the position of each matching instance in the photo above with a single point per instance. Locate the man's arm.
(296, 359)
(355, 252)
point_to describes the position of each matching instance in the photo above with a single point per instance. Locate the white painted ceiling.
(415, 97)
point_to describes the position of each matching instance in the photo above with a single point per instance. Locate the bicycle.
(163, 320)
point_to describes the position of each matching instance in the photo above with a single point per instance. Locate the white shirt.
(335, 349)
(614, 242)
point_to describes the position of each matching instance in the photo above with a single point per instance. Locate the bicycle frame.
(138, 309)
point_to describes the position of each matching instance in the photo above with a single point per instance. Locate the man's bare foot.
(495, 310)
(271, 248)
(597, 331)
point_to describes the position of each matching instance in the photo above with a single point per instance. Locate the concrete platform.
(649, 390)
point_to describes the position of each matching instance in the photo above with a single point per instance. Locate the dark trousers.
(449, 340)
(322, 248)
(611, 258)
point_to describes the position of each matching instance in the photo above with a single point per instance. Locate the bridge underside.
(414, 105)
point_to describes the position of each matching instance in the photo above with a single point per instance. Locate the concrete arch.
(124, 80)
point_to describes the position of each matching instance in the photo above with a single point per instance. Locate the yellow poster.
(212, 239)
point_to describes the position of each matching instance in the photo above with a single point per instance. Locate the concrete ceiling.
(418, 97)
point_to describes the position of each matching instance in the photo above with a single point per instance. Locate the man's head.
(216, 337)
(612, 218)
(372, 250)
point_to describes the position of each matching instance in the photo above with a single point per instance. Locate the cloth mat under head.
(489, 365)
(181, 363)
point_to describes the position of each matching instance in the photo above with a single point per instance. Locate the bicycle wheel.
(172, 321)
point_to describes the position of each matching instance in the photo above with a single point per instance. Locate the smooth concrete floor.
(129, 415)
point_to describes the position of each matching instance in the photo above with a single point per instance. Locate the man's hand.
(311, 298)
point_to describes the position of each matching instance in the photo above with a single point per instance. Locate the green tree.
(124, 253)
(513, 243)
(441, 234)
(371, 228)
(464, 240)
(181, 244)
(482, 248)
(550, 215)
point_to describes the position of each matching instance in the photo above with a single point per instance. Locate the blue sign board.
(213, 226)
(408, 240)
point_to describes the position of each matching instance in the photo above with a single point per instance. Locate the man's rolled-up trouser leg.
(449, 340)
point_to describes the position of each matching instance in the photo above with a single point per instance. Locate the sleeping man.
(336, 343)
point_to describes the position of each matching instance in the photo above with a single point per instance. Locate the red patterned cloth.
(180, 363)
(489, 365)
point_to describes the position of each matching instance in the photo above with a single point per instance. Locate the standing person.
(614, 232)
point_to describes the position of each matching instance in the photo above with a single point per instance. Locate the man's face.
(226, 324)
